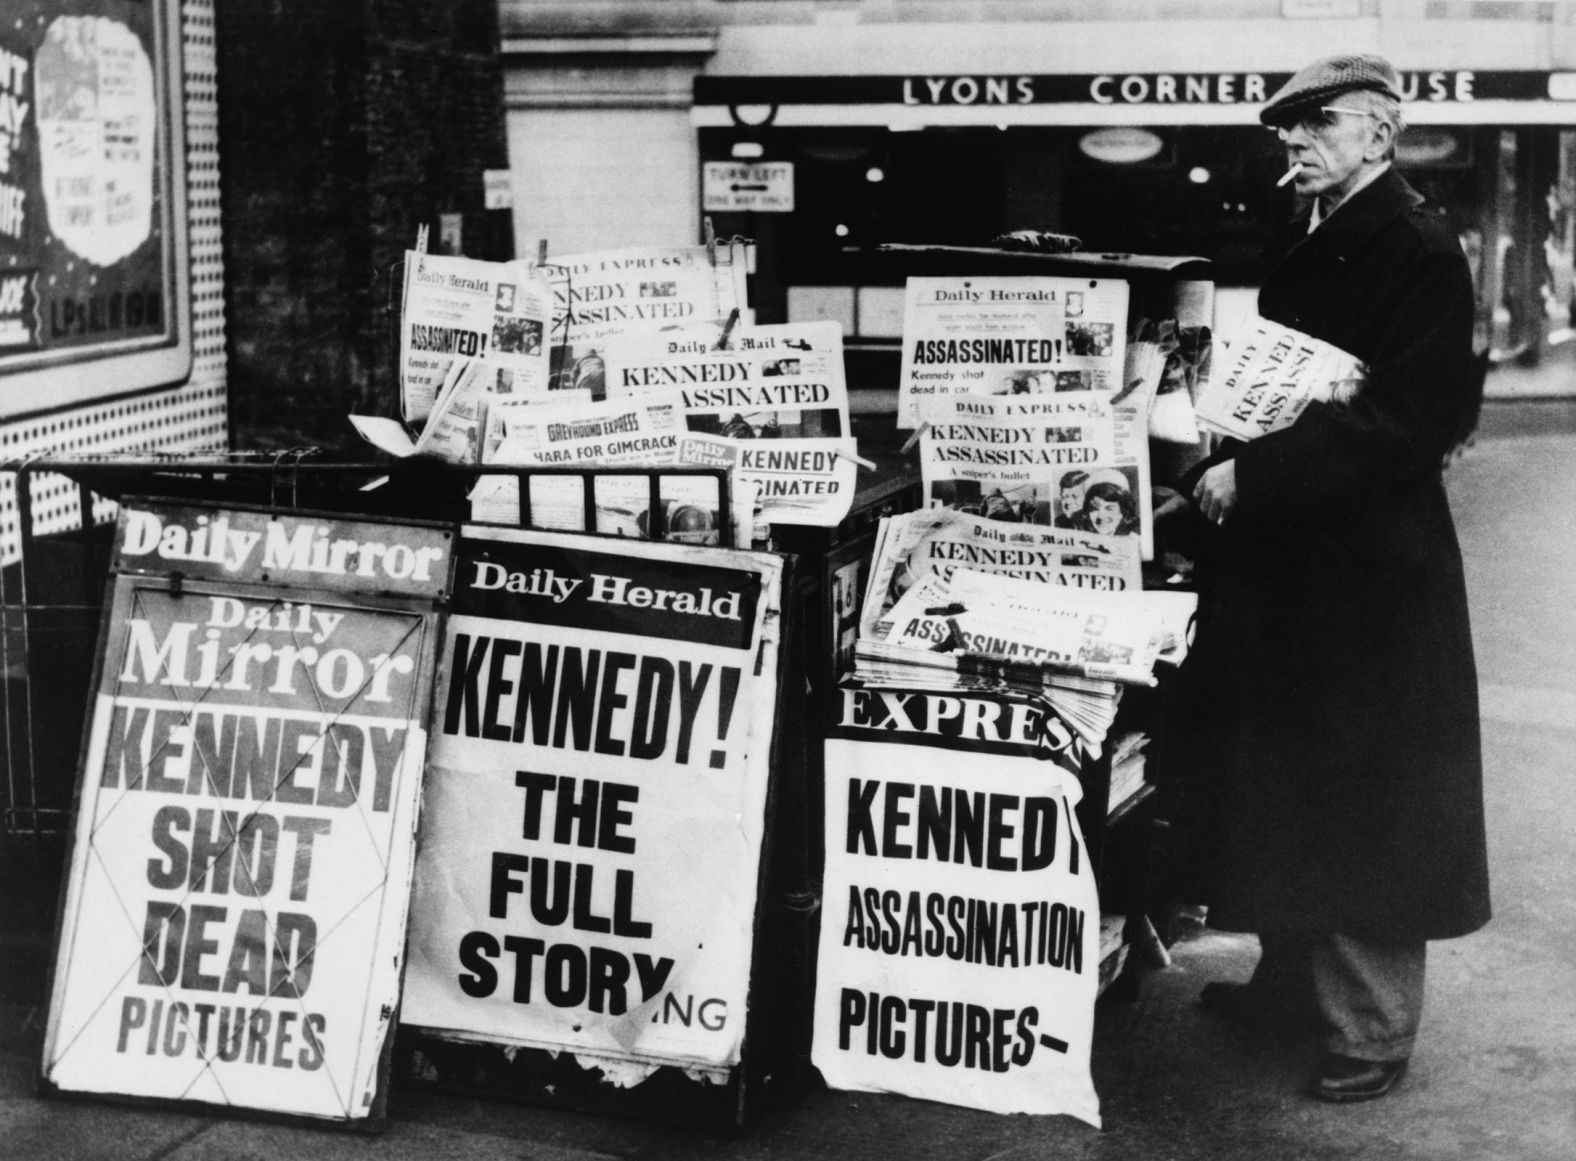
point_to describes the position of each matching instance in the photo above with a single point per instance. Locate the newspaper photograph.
(1270, 374)
(464, 308)
(598, 296)
(914, 544)
(784, 381)
(691, 509)
(1010, 336)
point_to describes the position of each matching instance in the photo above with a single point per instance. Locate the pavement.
(1492, 1079)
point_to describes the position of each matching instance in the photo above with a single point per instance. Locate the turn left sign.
(762, 186)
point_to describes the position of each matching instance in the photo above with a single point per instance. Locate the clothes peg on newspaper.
(727, 330)
(914, 439)
(541, 252)
(711, 239)
(844, 453)
(421, 238)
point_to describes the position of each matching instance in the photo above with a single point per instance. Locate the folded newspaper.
(1269, 375)
(914, 544)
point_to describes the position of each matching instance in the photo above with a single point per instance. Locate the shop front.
(821, 168)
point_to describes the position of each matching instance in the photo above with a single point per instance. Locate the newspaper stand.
(51, 599)
(1122, 840)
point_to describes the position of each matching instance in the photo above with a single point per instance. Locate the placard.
(94, 284)
(234, 915)
(595, 804)
(960, 924)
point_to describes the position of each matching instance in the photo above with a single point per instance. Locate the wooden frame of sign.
(595, 923)
(232, 922)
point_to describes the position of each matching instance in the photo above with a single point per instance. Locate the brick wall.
(342, 127)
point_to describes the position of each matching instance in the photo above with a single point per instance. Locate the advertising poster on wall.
(959, 947)
(595, 804)
(233, 930)
(88, 245)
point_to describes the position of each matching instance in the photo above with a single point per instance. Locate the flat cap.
(1328, 78)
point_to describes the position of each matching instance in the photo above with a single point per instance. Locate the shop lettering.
(968, 90)
(1252, 88)
(1168, 89)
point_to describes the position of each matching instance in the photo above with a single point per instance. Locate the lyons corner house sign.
(1457, 86)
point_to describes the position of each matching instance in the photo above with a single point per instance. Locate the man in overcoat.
(1325, 725)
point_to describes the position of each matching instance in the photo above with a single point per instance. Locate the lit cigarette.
(1290, 174)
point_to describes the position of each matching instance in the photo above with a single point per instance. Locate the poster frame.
(432, 612)
(39, 382)
(780, 939)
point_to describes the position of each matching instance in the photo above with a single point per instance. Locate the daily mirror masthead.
(300, 549)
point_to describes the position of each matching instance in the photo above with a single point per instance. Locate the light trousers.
(1369, 995)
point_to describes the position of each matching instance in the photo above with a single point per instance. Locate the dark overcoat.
(1325, 724)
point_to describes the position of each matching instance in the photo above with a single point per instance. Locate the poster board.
(588, 883)
(234, 910)
(94, 271)
(960, 926)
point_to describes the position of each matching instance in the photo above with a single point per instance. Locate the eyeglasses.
(1317, 120)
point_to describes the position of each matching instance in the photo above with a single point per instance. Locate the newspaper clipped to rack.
(773, 400)
(1010, 336)
(1062, 460)
(781, 381)
(455, 310)
(602, 295)
(914, 544)
(1270, 374)
(645, 433)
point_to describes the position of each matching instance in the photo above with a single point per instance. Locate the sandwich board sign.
(588, 881)
(234, 911)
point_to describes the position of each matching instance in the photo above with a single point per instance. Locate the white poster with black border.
(233, 927)
(959, 949)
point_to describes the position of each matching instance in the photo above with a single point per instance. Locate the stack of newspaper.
(1074, 648)
(1127, 768)
(630, 359)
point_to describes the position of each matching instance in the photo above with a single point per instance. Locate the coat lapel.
(1351, 227)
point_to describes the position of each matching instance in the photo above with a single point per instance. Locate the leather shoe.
(1345, 1080)
(1251, 1007)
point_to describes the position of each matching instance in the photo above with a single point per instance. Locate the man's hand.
(1216, 493)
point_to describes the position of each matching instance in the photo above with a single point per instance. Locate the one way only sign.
(731, 187)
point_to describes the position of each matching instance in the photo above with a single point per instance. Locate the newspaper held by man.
(781, 381)
(1010, 336)
(1270, 374)
(911, 545)
(601, 295)
(465, 308)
